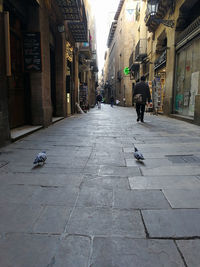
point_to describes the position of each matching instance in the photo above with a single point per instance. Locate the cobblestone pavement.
(92, 204)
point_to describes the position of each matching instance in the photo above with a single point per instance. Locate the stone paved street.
(92, 204)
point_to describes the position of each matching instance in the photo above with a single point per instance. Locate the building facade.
(39, 61)
(175, 69)
(121, 41)
(165, 50)
(88, 65)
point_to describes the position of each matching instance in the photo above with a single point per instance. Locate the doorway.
(18, 82)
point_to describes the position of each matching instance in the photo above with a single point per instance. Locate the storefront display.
(187, 79)
(159, 88)
(83, 97)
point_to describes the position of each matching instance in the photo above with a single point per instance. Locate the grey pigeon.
(41, 157)
(138, 155)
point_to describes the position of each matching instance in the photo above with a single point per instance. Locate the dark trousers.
(140, 108)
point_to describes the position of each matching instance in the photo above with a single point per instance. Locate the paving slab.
(107, 160)
(46, 168)
(15, 193)
(55, 196)
(126, 252)
(178, 223)
(173, 170)
(108, 182)
(140, 199)
(52, 220)
(164, 182)
(106, 222)
(37, 179)
(119, 171)
(73, 251)
(190, 251)
(95, 196)
(183, 198)
(18, 217)
(166, 147)
(93, 170)
(22, 250)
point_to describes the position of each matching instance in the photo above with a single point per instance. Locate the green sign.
(126, 71)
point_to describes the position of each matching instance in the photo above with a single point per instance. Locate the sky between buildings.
(104, 12)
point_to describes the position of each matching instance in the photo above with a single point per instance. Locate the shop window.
(187, 79)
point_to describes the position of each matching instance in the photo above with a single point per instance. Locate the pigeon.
(41, 157)
(138, 155)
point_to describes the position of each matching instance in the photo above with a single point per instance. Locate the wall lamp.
(152, 7)
(61, 28)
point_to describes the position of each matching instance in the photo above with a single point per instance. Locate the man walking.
(98, 100)
(112, 101)
(141, 96)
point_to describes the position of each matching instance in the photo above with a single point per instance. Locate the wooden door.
(16, 86)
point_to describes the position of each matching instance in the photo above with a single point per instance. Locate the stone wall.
(4, 120)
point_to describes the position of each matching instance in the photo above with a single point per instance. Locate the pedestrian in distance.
(112, 101)
(99, 99)
(141, 96)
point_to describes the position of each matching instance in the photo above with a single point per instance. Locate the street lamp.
(152, 7)
(61, 28)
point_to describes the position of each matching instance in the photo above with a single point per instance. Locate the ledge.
(23, 131)
(182, 118)
(55, 119)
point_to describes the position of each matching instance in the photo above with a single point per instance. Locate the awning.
(79, 31)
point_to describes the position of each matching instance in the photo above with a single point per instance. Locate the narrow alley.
(92, 203)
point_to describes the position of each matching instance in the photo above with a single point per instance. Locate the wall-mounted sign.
(32, 52)
(126, 71)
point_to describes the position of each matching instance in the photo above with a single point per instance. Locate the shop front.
(158, 85)
(187, 78)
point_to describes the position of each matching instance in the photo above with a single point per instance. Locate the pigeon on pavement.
(41, 157)
(138, 155)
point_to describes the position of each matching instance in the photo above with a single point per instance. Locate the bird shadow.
(139, 162)
(39, 166)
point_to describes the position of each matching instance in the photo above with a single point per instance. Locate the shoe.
(138, 119)
(142, 120)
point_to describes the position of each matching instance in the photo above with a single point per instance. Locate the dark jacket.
(143, 89)
(99, 98)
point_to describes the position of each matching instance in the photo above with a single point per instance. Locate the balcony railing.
(141, 50)
(86, 49)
